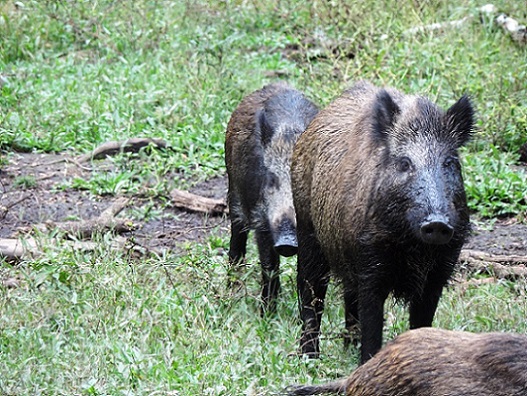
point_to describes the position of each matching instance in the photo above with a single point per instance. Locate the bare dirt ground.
(45, 201)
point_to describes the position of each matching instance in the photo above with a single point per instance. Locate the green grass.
(104, 323)
(80, 73)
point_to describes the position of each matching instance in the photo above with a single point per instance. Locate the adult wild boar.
(258, 148)
(380, 202)
(433, 362)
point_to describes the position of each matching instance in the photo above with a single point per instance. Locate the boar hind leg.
(351, 309)
(312, 283)
(270, 262)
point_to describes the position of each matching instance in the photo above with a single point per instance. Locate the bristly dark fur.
(380, 204)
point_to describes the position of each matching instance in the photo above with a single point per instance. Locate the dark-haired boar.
(259, 144)
(435, 362)
(380, 203)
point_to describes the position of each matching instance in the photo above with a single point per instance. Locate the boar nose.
(436, 231)
(285, 242)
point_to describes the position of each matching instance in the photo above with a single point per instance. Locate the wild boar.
(433, 362)
(259, 144)
(380, 203)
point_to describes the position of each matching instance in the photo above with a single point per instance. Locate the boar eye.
(272, 181)
(404, 164)
(450, 161)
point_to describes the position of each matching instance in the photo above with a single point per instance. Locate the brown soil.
(172, 228)
(21, 207)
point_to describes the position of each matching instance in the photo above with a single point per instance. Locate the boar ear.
(385, 110)
(263, 126)
(460, 120)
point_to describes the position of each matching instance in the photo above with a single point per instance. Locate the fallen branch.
(197, 203)
(464, 284)
(477, 255)
(86, 228)
(132, 145)
(500, 266)
(14, 250)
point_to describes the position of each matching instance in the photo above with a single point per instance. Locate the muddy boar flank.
(258, 148)
(380, 202)
(432, 362)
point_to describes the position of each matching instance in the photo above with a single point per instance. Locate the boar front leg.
(371, 314)
(423, 308)
(270, 263)
(238, 242)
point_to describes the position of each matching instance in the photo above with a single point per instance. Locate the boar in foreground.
(380, 203)
(258, 148)
(433, 362)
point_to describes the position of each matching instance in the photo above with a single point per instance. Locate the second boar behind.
(259, 144)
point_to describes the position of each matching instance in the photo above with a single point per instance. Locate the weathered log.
(132, 145)
(500, 266)
(197, 203)
(14, 250)
(467, 254)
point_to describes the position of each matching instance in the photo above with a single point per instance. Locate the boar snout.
(436, 230)
(286, 243)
